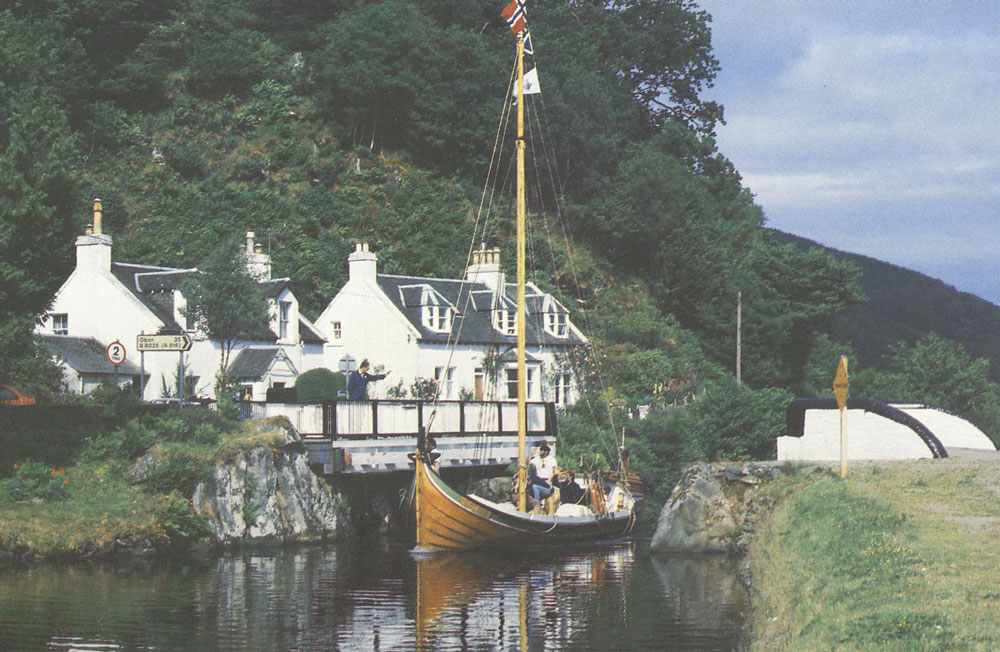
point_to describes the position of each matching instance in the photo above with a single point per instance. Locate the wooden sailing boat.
(448, 520)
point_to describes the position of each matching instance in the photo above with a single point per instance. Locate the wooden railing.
(394, 418)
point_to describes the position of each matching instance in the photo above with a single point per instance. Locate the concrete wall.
(875, 431)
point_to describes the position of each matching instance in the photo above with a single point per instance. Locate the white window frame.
(437, 318)
(562, 387)
(336, 330)
(557, 323)
(60, 323)
(284, 318)
(531, 374)
(505, 321)
(445, 379)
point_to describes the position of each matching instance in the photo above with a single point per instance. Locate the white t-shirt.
(544, 465)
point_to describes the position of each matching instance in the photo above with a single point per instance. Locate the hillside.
(905, 305)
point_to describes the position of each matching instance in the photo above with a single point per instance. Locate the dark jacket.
(357, 382)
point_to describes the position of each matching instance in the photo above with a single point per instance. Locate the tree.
(38, 193)
(937, 371)
(229, 305)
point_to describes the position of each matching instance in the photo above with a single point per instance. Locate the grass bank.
(899, 556)
(90, 506)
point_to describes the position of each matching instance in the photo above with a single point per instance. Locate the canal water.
(356, 597)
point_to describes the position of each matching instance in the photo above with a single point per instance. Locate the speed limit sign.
(116, 353)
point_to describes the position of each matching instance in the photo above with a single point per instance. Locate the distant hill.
(904, 305)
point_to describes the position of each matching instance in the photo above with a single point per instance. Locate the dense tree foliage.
(316, 122)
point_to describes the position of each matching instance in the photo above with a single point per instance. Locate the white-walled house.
(105, 301)
(459, 332)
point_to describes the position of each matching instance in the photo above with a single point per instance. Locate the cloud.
(868, 128)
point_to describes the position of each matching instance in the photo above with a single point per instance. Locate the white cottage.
(103, 301)
(458, 332)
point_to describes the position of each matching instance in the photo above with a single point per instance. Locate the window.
(505, 321)
(437, 318)
(335, 328)
(512, 383)
(557, 323)
(60, 324)
(530, 373)
(445, 380)
(284, 311)
(561, 387)
(479, 384)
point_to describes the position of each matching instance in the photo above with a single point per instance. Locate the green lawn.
(899, 556)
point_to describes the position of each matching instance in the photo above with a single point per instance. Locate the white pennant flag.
(531, 86)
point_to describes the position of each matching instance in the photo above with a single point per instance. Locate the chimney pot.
(98, 212)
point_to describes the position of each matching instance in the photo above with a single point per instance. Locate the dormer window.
(437, 318)
(505, 321)
(557, 323)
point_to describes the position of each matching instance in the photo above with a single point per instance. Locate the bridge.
(354, 437)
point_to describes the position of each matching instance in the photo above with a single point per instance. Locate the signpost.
(116, 356)
(179, 343)
(841, 388)
(163, 343)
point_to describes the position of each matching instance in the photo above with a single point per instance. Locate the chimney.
(362, 264)
(98, 214)
(258, 262)
(93, 250)
(486, 269)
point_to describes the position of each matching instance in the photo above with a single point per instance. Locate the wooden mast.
(522, 411)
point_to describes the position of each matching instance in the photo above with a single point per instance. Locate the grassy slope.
(900, 556)
(102, 508)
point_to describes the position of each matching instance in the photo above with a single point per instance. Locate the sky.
(869, 126)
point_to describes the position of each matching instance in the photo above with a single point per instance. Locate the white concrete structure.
(875, 431)
(108, 301)
(458, 332)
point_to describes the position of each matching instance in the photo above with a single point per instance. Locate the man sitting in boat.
(542, 465)
(570, 492)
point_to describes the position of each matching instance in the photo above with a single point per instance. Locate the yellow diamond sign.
(841, 385)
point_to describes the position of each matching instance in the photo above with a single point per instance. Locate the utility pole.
(739, 343)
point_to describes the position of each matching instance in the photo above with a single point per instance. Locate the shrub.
(181, 524)
(179, 471)
(34, 480)
(318, 385)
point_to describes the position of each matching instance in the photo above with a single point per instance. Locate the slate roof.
(154, 287)
(86, 355)
(308, 332)
(253, 362)
(473, 323)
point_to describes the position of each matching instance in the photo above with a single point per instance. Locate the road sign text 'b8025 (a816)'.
(163, 343)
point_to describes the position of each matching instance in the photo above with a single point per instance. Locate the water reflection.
(370, 598)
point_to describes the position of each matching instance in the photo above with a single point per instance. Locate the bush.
(34, 480)
(180, 471)
(190, 425)
(181, 524)
(318, 385)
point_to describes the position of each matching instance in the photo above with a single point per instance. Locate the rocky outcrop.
(712, 508)
(268, 493)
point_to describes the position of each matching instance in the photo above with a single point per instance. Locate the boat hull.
(447, 520)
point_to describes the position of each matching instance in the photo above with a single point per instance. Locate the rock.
(698, 517)
(496, 489)
(269, 494)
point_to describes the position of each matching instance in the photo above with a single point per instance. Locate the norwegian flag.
(515, 16)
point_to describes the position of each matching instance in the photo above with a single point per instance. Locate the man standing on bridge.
(358, 381)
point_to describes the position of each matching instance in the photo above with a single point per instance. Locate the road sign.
(163, 342)
(116, 353)
(841, 384)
